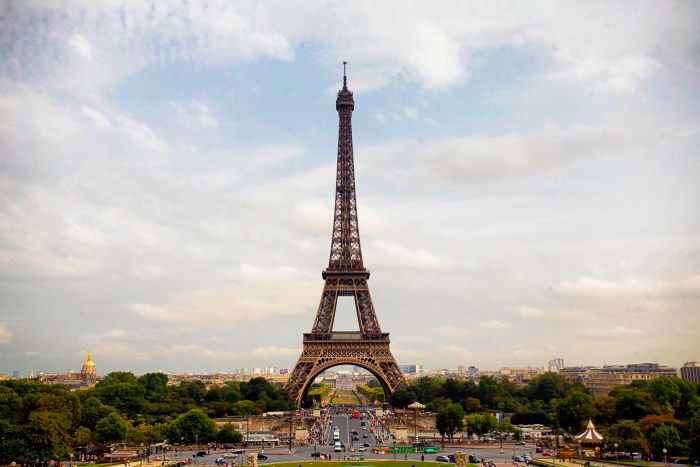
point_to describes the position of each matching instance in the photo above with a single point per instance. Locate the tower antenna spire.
(345, 78)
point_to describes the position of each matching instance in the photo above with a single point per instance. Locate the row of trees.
(645, 416)
(49, 421)
(451, 419)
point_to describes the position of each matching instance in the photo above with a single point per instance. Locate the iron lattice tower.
(345, 276)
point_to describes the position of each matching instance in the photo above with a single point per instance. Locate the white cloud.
(81, 46)
(610, 45)
(619, 331)
(451, 331)
(593, 288)
(31, 353)
(475, 159)
(391, 254)
(455, 353)
(272, 351)
(250, 298)
(5, 334)
(528, 312)
(495, 325)
(97, 117)
(179, 350)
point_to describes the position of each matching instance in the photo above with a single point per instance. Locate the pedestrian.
(422, 458)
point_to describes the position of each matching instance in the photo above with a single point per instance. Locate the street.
(346, 424)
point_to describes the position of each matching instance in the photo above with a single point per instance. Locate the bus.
(356, 414)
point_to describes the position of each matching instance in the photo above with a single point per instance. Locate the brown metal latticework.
(345, 276)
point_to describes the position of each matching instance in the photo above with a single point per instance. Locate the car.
(220, 460)
(546, 453)
(229, 455)
(362, 449)
(527, 456)
(161, 459)
(474, 459)
(201, 453)
(353, 458)
(318, 454)
(331, 443)
(538, 449)
(371, 430)
(365, 445)
(520, 443)
(519, 459)
(262, 456)
(452, 458)
(364, 436)
(442, 459)
(431, 450)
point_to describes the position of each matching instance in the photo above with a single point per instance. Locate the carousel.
(590, 441)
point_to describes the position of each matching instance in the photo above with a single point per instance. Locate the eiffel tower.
(345, 276)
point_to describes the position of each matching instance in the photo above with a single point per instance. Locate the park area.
(344, 397)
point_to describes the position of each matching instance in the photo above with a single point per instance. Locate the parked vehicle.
(546, 453)
(474, 459)
(261, 456)
(519, 459)
(442, 459)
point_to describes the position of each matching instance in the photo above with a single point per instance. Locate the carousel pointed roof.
(590, 435)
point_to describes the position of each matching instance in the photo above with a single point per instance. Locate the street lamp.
(665, 457)
(617, 460)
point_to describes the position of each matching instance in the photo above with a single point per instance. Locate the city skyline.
(526, 177)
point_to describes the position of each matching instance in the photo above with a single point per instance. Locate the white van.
(338, 447)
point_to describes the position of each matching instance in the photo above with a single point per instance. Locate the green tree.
(111, 428)
(573, 410)
(93, 411)
(665, 393)
(480, 424)
(628, 435)
(449, 420)
(506, 427)
(632, 403)
(128, 397)
(46, 435)
(117, 377)
(668, 437)
(155, 385)
(489, 389)
(471, 404)
(83, 437)
(228, 434)
(547, 387)
(190, 428)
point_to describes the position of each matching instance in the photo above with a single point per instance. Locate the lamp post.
(617, 460)
(247, 418)
(665, 457)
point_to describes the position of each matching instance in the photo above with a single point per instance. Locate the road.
(346, 425)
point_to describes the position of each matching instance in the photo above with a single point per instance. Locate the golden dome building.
(88, 372)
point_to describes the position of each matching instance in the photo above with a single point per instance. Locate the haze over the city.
(527, 180)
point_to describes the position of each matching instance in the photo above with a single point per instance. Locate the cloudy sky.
(528, 180)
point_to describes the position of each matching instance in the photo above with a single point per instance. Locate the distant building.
(691, 371)
(409, 369)
(555, 365)
(88, 373)
(15, 374)
(600, 381)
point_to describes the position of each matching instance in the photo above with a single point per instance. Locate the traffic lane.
(304, 454)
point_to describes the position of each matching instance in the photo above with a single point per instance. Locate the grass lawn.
(366, 462)
(345, 397)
